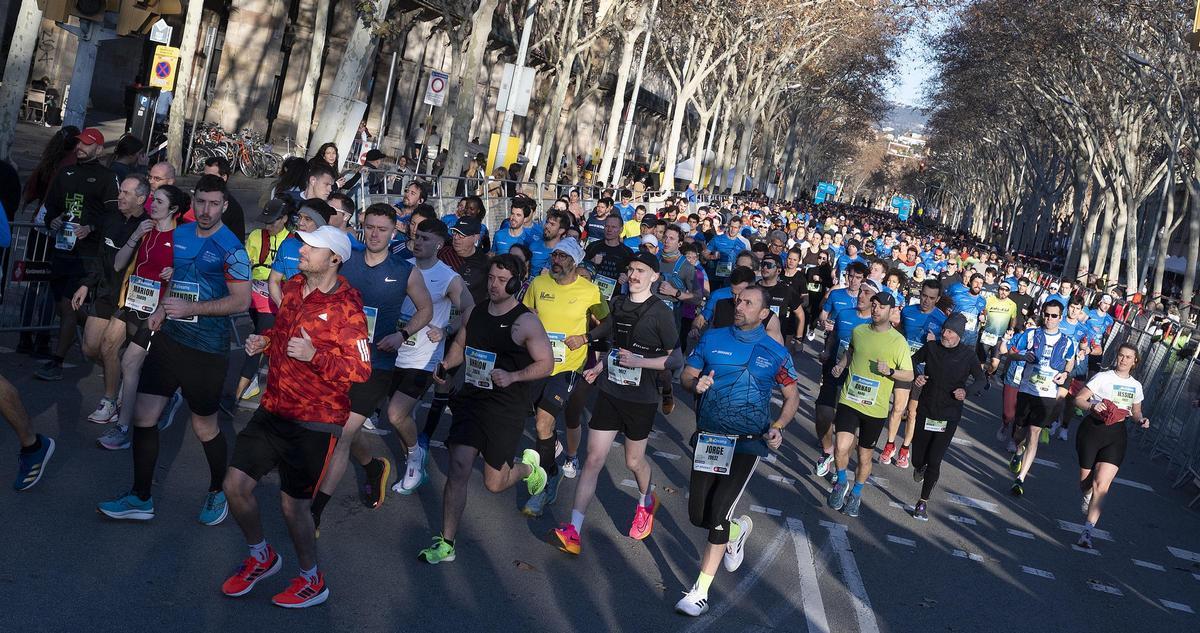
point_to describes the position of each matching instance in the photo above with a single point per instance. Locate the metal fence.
(26, 303)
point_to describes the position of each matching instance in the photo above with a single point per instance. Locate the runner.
(505, 349)
(969, 301)
(943, 368)
(837, 341)
(1074, 326)
(317, 349)
(998, 315)
(640, 332)
(723, 250)
(312, 215)
(36, 449)
(920, 323)
(261, 247)
(734, 371)
(840, 299)
(609, 255)
(818, 279)
(191, 351)
(878, 356)
(676, 288)
(784, 302)
(1110, 397)
(515, 231)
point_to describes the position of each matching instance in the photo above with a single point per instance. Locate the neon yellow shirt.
(864, 389)
(563, 310)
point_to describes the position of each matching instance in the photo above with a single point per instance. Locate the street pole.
(511, 102)
(637, 87)
(208, 55)
(387, 97)
(16, 72)
(90, 35)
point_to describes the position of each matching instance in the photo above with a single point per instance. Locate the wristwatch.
(891, 372)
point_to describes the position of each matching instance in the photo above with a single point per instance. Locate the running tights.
(928, 449)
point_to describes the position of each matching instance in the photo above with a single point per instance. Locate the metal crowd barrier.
(26, 304)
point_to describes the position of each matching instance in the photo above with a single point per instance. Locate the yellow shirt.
(864, 388)
(563, 310)
(631, 228)
(260, 262)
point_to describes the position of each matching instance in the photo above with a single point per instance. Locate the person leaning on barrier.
(370, 175)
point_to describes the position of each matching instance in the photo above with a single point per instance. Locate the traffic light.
(138, 16)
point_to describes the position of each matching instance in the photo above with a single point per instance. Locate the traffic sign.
(161, 32)
(163, 67)
(519, 79)
(435, 91)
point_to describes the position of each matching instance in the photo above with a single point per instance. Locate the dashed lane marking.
(810, 588)
(971, 555)
(852, 577)
(1037, 572)
(1086, 550)
(1077, 528)
(960, 441)
(1178, 606)
(1134, 484)
(1184, 554)
(1148, 565)
(787, 481)
(964, 500)
(765, 510)
(1045, 462)
(963, 520)
(743, 588)
(670, 456)
(1103, 588)
(900, 540)
(1020, 533)
(629, 483)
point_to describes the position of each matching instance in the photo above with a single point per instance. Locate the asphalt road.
(984, 562)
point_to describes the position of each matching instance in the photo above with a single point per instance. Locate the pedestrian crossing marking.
(1133, 484)
(1077, 528)
(963, 500)
(963, 520)
(1086, 550)
(1045, 462)
(1184, 554)
(783, 480)
(1103, 588)
(971, 555)
(767, 511)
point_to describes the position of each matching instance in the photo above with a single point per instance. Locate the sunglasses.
(768, 264)
(1047, 315)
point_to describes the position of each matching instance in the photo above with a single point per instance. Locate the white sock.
(645, 500)
(309, 574)
(259, 551)
(577, 520)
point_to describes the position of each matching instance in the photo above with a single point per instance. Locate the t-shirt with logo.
(864, 389)
(384, 290)
(1124, 392)
(418, 352)
(917, 325)
(203, 267)
(563, 310)
(287, 258)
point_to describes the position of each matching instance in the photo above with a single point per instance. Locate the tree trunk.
(16, 73)
(312, 78)
(181, 105)
(612, 133)
(1117, 248)
(719, 179)
(459, 135)
(1164, 239)
(1193, 238)
(550, 129)
(743, 155)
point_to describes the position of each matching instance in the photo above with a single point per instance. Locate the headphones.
(514, 266)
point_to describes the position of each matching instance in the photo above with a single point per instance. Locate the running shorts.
(495, 434)
(712, 497)
(867, 428)
(1035, 411)
(634, 420)
(200, 375)
(554, 391)
(366, 396)
(299, 450)
(1096, 442)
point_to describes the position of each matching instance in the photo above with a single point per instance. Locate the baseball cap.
(870, 284)
(91, 136)
(277, 208)
(374, 155)
(467, 225)
(329, 237)
(1005, 284)
(884, 298)
(650, 239)
(649, 219)
(320, 219)
(649, 260)
(568, 246)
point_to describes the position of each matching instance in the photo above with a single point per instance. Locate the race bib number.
(714, 453)
(65, 241)
(913, 346)
(972, 324)
(814, 287)
(188, 291)
(479, 367)
(260, 288)
(628, 376)
(606, 285)
(774, 309)
(142, 294)
(371, 313)
(936, 426)
(558, 345)
(1043, 381)
(989, 339)
(1123, 396)
(724, 268)
(860, 390)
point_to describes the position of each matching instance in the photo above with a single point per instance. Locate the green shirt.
(864, 389)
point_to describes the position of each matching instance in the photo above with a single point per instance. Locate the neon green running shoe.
(536, 481)
(440, 552)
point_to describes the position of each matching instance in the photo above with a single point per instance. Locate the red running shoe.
(251, 571)
(302, 593)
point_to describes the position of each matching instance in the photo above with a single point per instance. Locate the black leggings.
(813, 311)
(712, 497)
(928, 449)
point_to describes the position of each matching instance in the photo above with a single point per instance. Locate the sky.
(907, 87)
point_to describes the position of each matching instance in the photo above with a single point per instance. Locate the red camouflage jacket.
(317, 391)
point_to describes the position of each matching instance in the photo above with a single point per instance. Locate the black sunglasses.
(1051, 316)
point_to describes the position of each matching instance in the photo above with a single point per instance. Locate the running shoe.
(538, 502)
(1062, 434)
(694, 602)
(414, 471)
(1085, 539)
(439, 552)
(668, 403)
(1087, 502)
(810, 335)
(252, 390)
(372, 426)
(250, 572)
(536, 481)
(837, 496)
(570, 467)
(168, 414)
(128, 507)
(375, 487)
(919, 473)
(51, 370)
(902, 457)
(921, 512)
(1004, 432)
(105, 413)
(31, 467)
(116, 438)
(643, 519)
(824, 465)
(568, 538)
(1012, 446)
(215, 508)
(1014, 463)
(735, 549)
(889, 451)
(302, 593)
(1018, 488)
(1044, 437)
(853, 504)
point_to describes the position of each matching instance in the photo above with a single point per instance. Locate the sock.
(436, 407)
(318, 503)
(545, 450)
(449, 541)
(841, 475)
(857, 489)
(309, 574)
(33, 448)
(735, 531)
(577, 520)
(905, 447)
(145, 455)
(259, 551)
(216, 451)
(646, 500)
(703, 583)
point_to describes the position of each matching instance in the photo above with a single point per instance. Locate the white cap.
(650, 238)
(571, 248)
(329, 237)
(1106, 297)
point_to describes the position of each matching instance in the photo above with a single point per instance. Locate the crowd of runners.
(559, 318)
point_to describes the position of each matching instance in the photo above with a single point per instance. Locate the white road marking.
(1103, 588)
(783, 480)
(898, 505)
(1184, 554)
(768, 558)
(1045, 462)
(963, 520)
(1148, 565)
(765, 510)
(880, 482)
(831, 525)
(853, 579)
(629, 483)
(654, 435)
(770, 458)
(1037, 572)
(1085, 550)
(437, 444)
(1133, 484)
(1020, 533)
(810, 589)
(960, 441)
(1178, 606)
(670, 456)
(963, 500)
(1077, 528)
(1196, 576)
(971, 555)
(892, 538)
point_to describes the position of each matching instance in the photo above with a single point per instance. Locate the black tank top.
(493, 334)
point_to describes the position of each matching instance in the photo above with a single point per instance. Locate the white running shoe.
(735, 550)
(414, 471)
(693, 603)
(106, 412)
(570, 467)
(824, 465)
(252, 390)
(371, 425)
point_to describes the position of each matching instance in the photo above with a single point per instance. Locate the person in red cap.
(76, 202)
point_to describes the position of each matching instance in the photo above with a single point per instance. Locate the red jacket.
(317, 391)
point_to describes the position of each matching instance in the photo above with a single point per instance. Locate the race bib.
(188, 291)
(558, 345)
(65, 241)
(260, 288)
(860, 390)
(972, 324)
(724, 268)
(371, 313)
(814, 287)
(628, 376)
(936, 426)
(913, 346)
(774, 309)
(714, 453)
(989, 339)
(479, 367)
(1043, 381)
(1123, 396)
(142, 294)
(606, 285)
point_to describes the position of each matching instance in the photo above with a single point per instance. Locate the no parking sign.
(435, 92)
(164, 67)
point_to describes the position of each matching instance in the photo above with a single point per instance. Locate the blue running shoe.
(168, 414)
(537, 503)
(31, 467)
(215, 508)
(837, 496)
(128, 507)
(853, 503)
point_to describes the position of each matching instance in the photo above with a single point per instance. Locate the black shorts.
(554, 391)
(632, 419)
(914, 393)
(1035, 411)
(103, 307)
(411, 382)
(851, 420)
(830, 387)
(137, 326)
(170, 366)
(66, 276)
(495, 434)
(297, 449)
(1096, 442)
(366, 396)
